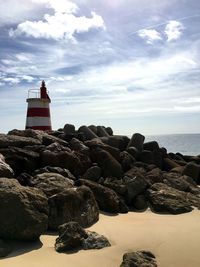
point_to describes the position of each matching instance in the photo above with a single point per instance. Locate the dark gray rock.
(140, 203)
(133, 152)
(137, 141)
(21, 159)
(87, 133)
(79, 146)
(5, 248)
(134, 186)
(74, 204)
(118, 141)
(115, 184)
(17, 141)
(108, 164)
(106, 198)
(93, 128)
(146, 157)
(101, 131)
(167, 199)
(154, 176)
(169, 164)
(126, 160)
(139, 259)
(24, 211)
(5, 169)
(58, 170)
(93, 173)
(69, 129)
(51, 183)
(109, 130)
(151, 146)
(193, 170)
(95, 241)
(71, 236)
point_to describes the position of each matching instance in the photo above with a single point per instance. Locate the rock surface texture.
(139, 259)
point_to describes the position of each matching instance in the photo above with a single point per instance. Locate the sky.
(133, 65)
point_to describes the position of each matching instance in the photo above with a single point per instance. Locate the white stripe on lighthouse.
(38, 121)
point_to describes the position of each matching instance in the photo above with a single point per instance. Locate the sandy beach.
(174, 240)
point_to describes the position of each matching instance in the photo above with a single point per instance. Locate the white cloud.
(173, 30)
(28, 78)
(149, 35)
(11, 80)
(63, 24)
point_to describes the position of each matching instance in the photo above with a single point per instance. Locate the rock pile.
(51, 178)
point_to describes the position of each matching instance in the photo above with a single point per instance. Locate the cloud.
(174, 30)
(63, 24)
(149, 35)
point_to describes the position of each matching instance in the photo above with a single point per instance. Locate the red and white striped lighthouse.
(38, 111)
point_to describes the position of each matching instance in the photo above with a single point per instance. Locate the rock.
(17, 141)
(51, 183)
(5, 248)
(50, 139)
(118, 141)
(126, 160)
(169, 164)
(93, 173)
(87, 133)
(101, 132)
(193, 170)
(93, 128)
(137, 141)
(167, 199)
(151, 146)
(106, 198)
(139, 259)
(146, 157)
(154, 176)
(135, 171)
(140, 203)
(115, 184)
(24, 211)
(79, 146)
(58, 170)
(5, 169)
(95, 241)
(73, 204)
(109, 130)
(134, 186)
(25, 179)
(21, 159)
(69, 129)
(181, 182)
(133, 152)
(108, 164)
(71, 236)
(59, 156)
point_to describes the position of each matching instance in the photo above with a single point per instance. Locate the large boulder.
(118, 141)
(134, 186)
(137, 141)
(58, 156)
(51, 183)
(139, 259)
(62, 171)
(106, 198)
(89, 134)
(73, 204)
(170, 200)
(5, 248)
(108, 164)
(21, 159)
(193, 170)
(93, 173)
(17, 141)
(101, 131)
(73, 236)
(24, 211)
(69, 129)
(5, 169)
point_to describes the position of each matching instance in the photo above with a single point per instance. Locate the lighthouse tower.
(38, 111)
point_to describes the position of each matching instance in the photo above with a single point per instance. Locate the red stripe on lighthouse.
(35, 112)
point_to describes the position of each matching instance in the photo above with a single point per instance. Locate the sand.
(174, 239)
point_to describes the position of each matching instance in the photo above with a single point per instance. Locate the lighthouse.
(38, 111)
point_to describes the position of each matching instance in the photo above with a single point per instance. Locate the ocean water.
(186, 144)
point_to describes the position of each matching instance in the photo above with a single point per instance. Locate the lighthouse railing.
(34, 93)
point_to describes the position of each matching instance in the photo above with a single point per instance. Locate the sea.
(186, 144)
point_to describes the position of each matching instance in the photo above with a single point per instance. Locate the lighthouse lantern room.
(38, 111)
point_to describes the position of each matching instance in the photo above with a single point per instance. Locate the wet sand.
(173, 239)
